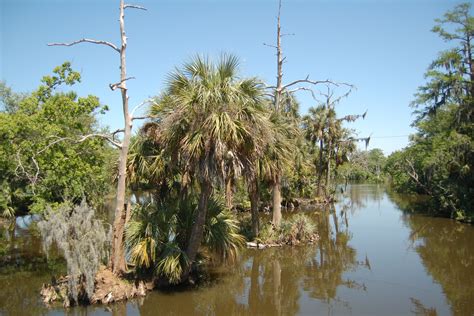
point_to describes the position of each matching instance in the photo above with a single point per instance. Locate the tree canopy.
(42, 157)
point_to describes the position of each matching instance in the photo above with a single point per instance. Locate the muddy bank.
(108, 289)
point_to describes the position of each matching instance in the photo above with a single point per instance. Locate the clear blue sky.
(383, 47)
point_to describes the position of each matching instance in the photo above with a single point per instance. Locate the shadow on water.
(375, 256)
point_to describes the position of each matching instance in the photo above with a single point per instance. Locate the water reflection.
(274, 281)
(356, 197)
(23, 267)
(446, 250)
(374, 256)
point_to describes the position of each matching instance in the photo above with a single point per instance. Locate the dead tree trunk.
(117, 259)
(278, 91)
(276, 192)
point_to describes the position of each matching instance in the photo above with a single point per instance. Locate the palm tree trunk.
(253, 195)
(276, 201)
(328, 169)
(228, 193)
(197, 230)
(320, 172)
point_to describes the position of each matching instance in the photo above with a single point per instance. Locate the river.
(374, 257)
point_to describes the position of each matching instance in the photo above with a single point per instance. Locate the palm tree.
(322, 127)
(162, 219)
(153, 235)
(206, 115)
(315, 127)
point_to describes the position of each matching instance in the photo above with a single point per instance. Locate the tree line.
(439, 159)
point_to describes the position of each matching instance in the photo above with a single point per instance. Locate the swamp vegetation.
(217, 159)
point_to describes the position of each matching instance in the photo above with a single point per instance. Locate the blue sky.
(383, 47)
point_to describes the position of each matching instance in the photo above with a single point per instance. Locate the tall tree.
(439, 160)
(451, 75)
(117, 260)
(279, 91)
(206, 115)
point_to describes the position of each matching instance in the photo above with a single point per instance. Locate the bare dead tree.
(117, 259)
(278, 90)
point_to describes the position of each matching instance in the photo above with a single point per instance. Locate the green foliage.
(293, 230)
(221, 233)
(157, 232)
(439, 160)
(367, 166)
(209, 116)
(41, 160)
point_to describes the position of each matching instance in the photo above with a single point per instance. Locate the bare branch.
(139, 106)
(287, 34)
(103, 136)
(315, 82)
(120, 130)
(87, 40)
(304, 89)
(114, 86)
(330, 93)
(133, 6)
(37, 170)
(270, 45)
(414, 176)
(107, 137)
(52, 144)
(143, 117)
(32, 178)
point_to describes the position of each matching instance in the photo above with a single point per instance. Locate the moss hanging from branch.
(82, 240)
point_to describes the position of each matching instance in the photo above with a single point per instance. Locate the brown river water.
(374, 257)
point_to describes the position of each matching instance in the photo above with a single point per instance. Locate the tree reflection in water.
(273, 281)
(445, 248)
(446, 252)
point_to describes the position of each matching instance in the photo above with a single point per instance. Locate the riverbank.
(108, 289)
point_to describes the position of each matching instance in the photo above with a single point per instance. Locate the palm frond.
(222, 231)
(171, 262)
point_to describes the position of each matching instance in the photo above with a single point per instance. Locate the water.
(373, 258)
